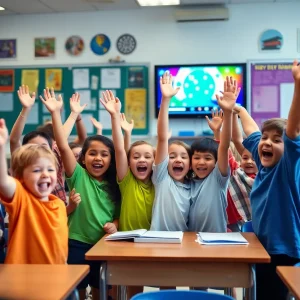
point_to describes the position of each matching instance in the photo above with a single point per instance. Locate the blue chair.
(179, 295)
(247, 227)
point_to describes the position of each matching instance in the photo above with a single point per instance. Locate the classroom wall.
(160, 40)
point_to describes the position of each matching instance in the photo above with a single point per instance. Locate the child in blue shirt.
(275, 196)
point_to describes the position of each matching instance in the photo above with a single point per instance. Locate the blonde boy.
(38, 231)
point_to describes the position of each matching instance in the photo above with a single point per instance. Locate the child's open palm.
(111, 103)
(166, 87)
(24, 96)
(216, 121)
(75, 104)
(230, 94)
(296, 70)
(3, 132)
(96, 124)
(126, 126)
(50, 101)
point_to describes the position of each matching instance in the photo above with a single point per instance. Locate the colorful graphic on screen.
(198, 87)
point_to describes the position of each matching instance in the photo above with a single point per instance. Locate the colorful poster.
(8, 48)
(44, 47)
(53, 78)
(100, 44)
(272, 87)
(30, 78)
(136, 77)
(270, 39)
(136, 107)
(74, 45)
(7, 80)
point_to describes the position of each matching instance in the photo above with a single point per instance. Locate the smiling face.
(270, 148)
(39, 140)
(179, 162)
(97, 159)
(141, 161)
(203, 163)
(247, 163)
(40, 178)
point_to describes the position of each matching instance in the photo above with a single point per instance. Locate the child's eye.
(51, 170)
(36, 170)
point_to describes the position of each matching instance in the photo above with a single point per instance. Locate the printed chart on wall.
(272, 87)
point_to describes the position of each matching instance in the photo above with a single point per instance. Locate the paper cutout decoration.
(74, 45)
(100, 44)
(270, 40)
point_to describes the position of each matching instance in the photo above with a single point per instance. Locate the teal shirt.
(95, 209)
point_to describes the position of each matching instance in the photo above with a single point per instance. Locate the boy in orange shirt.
(38, 231)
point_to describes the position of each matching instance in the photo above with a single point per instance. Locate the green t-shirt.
(137, 202)
(95, 209)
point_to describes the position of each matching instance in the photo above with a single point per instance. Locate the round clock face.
(126, 44)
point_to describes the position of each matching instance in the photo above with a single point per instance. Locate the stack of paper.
(144, 236)
(229, 238)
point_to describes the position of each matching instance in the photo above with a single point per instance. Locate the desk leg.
(122, 292)
(103, 291)
(251, 292)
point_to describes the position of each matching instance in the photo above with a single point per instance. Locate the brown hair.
(277, 124)
(48, 129)
(184, 145)
(27, 155)
(138, 143)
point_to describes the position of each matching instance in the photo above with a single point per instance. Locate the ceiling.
(62, 6)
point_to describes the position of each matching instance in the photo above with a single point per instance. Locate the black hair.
(74, 145)
(111, 173)
(205, 145)
(48, 129)
(33, 134)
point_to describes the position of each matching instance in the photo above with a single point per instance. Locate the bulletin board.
(271, 88)
(130, 83)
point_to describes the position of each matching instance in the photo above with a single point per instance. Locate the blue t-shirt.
(275, 198)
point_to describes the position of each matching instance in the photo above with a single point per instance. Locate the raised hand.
(3, 132)
(50, 101)
(111, 103)
(230, 94)
(24, 96)
(96, 124)
(75, 104)
(126, 126)
(296, 70)
(166, 87)
(216, 121)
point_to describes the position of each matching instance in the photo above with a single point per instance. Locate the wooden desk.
(186, 264)
(29, 282)
(291, 278)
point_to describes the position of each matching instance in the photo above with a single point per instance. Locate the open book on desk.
(228, 238)
(144, 236)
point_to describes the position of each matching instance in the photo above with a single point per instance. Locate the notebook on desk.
(228, 238)
(144, 236)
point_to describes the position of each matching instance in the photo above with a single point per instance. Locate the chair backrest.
(179, 295)
(297, 265)
(247, 227)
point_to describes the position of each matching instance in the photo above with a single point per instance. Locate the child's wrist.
(74, 115)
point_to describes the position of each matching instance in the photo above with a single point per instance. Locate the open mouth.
(97, 166)
(44, 186)
(141, 169)
(177, 170)
(201, 169)
(267, 154)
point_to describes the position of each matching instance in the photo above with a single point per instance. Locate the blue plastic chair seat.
(179, 295)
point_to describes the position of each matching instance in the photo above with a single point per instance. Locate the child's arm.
(81, 131)
(17, 130)
(293, 122)
(167, 92)
(215, 123)
(127, 127)
(7, 183)
(248, 124)
(113, 106)
(237, 137)
(97, 125)
(54, 106)
(227, 103)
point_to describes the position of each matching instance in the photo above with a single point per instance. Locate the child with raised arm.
(275, 196)
(38, 231)
(211, 170)
(94, 177)
(172, 163)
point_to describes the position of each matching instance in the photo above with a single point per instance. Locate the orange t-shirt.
(38, 231)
